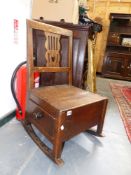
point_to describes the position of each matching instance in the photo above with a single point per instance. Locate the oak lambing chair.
(59, 112)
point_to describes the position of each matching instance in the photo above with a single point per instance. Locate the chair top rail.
(48, 28)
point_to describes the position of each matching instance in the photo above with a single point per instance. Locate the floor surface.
(83, 155)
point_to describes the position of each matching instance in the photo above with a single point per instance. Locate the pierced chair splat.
(59, 112)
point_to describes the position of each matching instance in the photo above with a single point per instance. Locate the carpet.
(122, 95)
(127, 94)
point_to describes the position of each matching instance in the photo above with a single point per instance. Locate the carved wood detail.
(52, 45)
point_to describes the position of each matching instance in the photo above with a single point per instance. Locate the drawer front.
(113, 38)
(82, 118)
(41, 119)
(114, 54)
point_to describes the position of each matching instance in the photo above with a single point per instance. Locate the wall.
(99, 11)
(11, 53)
(66, 9)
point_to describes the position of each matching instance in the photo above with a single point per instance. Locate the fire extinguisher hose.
(13, 78)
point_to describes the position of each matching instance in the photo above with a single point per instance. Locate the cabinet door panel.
(128, 70)
(114, 65)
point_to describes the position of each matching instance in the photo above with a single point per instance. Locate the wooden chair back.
(52, 50)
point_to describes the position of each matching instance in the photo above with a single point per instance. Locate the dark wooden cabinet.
(117, 65)
(117, 60)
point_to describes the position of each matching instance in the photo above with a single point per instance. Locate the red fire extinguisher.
(18, 88)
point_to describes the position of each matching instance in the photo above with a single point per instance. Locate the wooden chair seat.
(59, 112)
(64, 97)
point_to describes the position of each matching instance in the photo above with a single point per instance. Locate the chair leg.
(101, 120)
(52, 154)
(95, 133)
(99, 130)
(57, 150)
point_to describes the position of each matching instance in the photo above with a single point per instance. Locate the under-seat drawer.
(82, 118)
(41, 119)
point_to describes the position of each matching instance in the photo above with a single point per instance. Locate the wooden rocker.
(59, 112)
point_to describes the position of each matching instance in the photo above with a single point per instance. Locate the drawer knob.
(37, 115)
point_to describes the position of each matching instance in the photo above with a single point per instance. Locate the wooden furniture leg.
(101, 120)
(57, 150)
